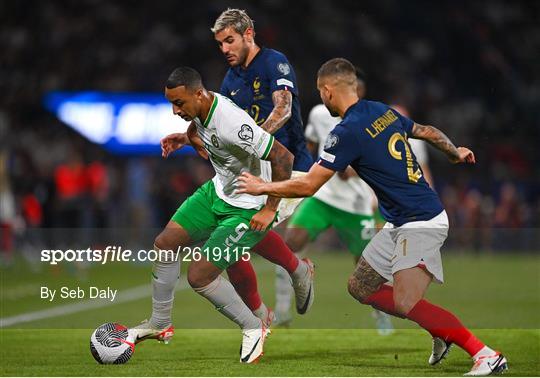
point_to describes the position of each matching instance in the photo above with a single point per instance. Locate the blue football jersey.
(252, 88)
(372, 139)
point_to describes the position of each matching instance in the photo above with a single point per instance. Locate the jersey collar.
(349, 109)
(211, 112)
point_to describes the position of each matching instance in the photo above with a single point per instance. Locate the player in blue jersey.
(271, 98)
(263, 83)
(372, 138)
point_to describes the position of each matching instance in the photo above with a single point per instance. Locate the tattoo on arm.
(364, 281)
(436, 138)
(281, 113)
(281, 161)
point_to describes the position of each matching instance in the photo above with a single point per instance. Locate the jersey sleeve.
(407, 123)
(251, 138)
(340, 149)
(281, 74)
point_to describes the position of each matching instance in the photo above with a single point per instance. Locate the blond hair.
(238, 19)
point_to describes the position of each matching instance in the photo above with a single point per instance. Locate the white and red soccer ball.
(110, 344)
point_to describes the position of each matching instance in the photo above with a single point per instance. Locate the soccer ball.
(110, 344)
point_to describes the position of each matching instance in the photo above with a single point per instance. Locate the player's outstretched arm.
(304, 186)
(176, 141)
(281, 113)
(439, 140)
(173, 142)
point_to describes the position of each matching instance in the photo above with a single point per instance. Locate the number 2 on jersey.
(255, 112)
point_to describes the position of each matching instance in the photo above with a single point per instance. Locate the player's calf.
(410, 286)
(202, 273)
(296, 238)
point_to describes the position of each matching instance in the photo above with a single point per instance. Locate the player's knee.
(356, 290)
(297, 239)
(165, 242)
(404, 305)
(195, 279)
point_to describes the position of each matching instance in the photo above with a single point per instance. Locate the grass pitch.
(497, 295)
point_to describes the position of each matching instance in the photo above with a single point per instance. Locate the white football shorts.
(412, 244)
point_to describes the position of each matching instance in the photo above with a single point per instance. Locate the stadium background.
(469, 68)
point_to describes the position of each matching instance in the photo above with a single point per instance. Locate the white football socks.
(261, 312)
(165, 275)
(227, 301)
(284, 291)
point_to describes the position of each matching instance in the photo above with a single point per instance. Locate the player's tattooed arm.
(439, 140)
(364, 281)
(281, 161)
(281, 113)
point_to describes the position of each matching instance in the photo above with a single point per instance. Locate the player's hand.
(262, 219)
(173, 142)
(464, 156)
(247, 183)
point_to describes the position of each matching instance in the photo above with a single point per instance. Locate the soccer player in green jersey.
(228, 222)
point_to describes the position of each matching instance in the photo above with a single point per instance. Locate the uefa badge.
(331, 141)
(284, 68)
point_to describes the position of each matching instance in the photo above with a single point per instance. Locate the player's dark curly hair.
(184, 76)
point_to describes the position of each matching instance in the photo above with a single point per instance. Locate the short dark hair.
(184, 76)
(337, 67)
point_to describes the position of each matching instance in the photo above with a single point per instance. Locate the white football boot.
(267, 316)
(145, 331)
(252, 344)
(487, 365)
(440, 350)
(303, 288)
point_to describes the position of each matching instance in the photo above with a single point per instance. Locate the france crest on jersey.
(372, 139)
(251, 89)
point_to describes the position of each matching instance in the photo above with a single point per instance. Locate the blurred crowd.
(470, 68)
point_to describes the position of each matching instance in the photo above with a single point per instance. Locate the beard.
(242, 55)
(332, 111)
